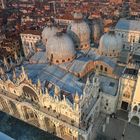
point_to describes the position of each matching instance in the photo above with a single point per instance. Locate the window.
(105, 69)
(101, 67)
(63, 60)
(135, 108)
(57, 61)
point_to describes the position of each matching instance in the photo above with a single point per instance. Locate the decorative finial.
(76, 98)
(56, 90)
(14, 75)
(97, 72)
(88, 81)
(15, 56)
(2, 71)
(46, 91)
(23, 71)
(39, 84)
(5, 63)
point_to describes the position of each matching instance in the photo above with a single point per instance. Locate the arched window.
(101, 67)
(135, 108)
(105, 69)
(63, 60)
(68, 59)
(57, 61)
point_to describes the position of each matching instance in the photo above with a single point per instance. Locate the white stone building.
(129, 31)
(29, 39)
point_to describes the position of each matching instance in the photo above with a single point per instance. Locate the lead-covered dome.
(48, 32)
(110, 44)
(60, 49)
(80, 32)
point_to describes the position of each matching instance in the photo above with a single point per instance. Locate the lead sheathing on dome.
(48, 32)
(80, 32)
(60, 49)
(110, 45)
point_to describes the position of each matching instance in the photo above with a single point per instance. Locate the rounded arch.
(14, 109)
(135, 120)
(31, 116)
(30, 93)
(50, 126)
(135, 108)
(4, 105)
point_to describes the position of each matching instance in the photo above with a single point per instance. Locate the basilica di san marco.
(64, 82)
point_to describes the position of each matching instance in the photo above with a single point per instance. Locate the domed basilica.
(57, 86)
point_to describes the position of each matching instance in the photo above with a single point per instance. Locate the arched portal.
(135, 120)
(66, 133)
(30, 94)
(135, 108)
(50, 126)
(30, 116)
(4, 105)
(14, 108)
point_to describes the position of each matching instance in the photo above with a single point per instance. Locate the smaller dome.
(110, 44)
(48, 32)
(80, 33)
(60, 49)
(78, 16)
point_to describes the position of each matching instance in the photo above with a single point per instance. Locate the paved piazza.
(116, 128)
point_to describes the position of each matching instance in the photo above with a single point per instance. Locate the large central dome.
(60, 49)
(80, 32)
(48, 32)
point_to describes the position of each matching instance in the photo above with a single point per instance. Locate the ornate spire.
(76, 98)
(24, 75)
(88, 81)
(56, 90)
(46, 91)
(14, 75)
(3, 75)
(5, 63)
(16, 57)
(39, 84)
(2, 71)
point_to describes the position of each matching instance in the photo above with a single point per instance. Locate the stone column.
(1, 107)
(20, 112)
(58, 129)
(75, 135)
(139, 122)
(41, 122)
(129, 117)
(9, 107)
